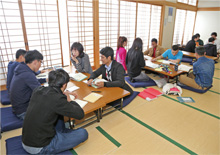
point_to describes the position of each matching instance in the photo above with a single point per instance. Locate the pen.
(96, 91)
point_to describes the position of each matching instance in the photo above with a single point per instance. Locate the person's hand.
(153, 60)
(172, 60)
(90, 82)
(74, 59)
(42, 71)
(74, 94)
(67, 93)
(100, 84)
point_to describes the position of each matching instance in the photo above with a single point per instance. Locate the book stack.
(150, 94)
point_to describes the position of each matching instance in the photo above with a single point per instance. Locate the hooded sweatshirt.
(11, 67)
(22, 85)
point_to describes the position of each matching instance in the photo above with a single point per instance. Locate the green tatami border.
(108, 136)
(200, 110)
(159, 133)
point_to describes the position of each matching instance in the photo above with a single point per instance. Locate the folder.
(147, 96)
(153, 91)
(92, 97)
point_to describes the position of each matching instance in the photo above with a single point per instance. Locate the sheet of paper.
(80, 102)
(150, 64)
(92, 97)
(159, 69)
(184, 68)
(73, 88)
(42, 75)
(147, 57)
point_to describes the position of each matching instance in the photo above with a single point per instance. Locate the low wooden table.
(109, 95)
(193, 55)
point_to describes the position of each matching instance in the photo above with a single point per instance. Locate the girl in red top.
(121, 51)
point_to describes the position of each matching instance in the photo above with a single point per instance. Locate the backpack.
(172, 89)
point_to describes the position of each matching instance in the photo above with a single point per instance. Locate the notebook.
(184, 68)
(80, 102)
(42, 75)
(73, 88)
(95, 81)
(92, 97)
(153, 91)
(185, 99)
(147, 96)
(77, 76)
(151, 65)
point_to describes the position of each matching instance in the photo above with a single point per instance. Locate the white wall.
(206, 23)
(209, 3)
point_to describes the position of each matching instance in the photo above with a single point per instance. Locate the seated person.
(44, 131)
(80, 59)
(216, 42)
(111, 70)
(135, 61)
(173, 55)
(200, 42)
(121, 51)
(13, 64)
(24, 82)
(191, 45)
(210, 48)
(156, 50)
(203, 71)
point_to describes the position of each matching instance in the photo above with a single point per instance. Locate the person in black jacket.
(210, 48)
(191, 45)
(135, 61)
(111, 70)
(43, 130)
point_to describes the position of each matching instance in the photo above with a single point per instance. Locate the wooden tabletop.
(109, 94)
(193, 55)
(174, 73)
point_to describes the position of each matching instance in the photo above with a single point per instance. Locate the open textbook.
(77, 76)
(95, 81)
(150, 64)
(42, 75)
(184, 68)
(80, 102)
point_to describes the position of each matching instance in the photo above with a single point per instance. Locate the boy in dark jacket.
(24, 82)
(111, 70)
(191, 45)
(210, 48)
(43, 129)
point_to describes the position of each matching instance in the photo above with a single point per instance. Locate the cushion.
(8, 120)
(126, 100)
(5, 99)
(141, 83)
(194, 89)
(14, 146)
(185, 59)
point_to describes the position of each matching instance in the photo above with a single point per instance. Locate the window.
(11, 37)
(127, 21)
(108, 23)
(42, 28)
(80, 24)
(183, 27)
(190, 2)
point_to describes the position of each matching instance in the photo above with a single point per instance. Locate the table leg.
(100, 113)
(97, 113)
(121, 104)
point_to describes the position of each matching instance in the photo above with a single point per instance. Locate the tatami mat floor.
(161, 126)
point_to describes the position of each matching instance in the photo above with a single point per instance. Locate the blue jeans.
(21, 116)
(65, 139)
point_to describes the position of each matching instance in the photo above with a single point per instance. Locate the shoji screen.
(80, 24)
(155, 22)
(11, 37)
(127, 21)
(190, 18)
(179, 26)
(108, 23)
(190, 2)
(42, 27)
(143, 24)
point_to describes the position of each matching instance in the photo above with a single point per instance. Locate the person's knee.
(83, 134)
